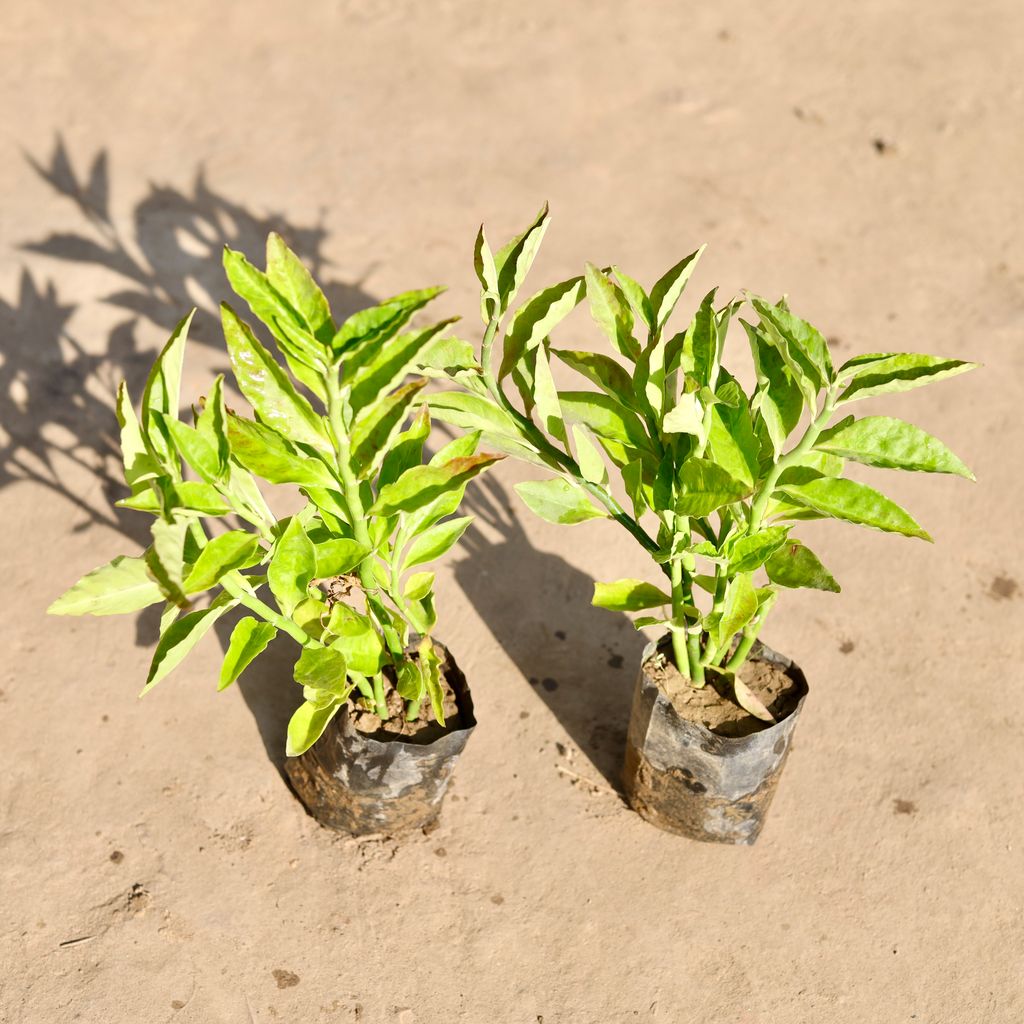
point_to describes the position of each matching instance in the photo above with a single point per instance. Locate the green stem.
(413, 710)
(735, 663)
(380, 705)
(254, 604)
(760, 503)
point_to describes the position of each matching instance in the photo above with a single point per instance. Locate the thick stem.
(379, 703)
(413, 710)
(254, 604)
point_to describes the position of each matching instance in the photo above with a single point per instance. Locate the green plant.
(711, 467)
(373, 510)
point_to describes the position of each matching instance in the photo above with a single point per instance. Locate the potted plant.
(386, 710)
(722, 475)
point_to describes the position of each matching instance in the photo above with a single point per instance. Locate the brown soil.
(425, 728)
(714, 706)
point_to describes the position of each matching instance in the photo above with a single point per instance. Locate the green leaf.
(418, 586)
(436, 541)
(361, 336)
(701, 344)
(685, 417)
(166, 558)
(355, 637)
(458, 448)
(855, 503)
(798, 334)
(796, 565)
(337, 556)
(558, 501)
(391, 364)
(377, 428)
(487, 275)
(407, 448)
(778, 399)
(637, 297)
(287, 274)
(292, 566)
(249, 639)
(472, 412)
(549, 411)
(411, 685)
(890, 444)
(628, 596)
(307, 725)
(193, 447)
(752, 551)
(162, 393)
(731, 440)
(430, 669)
(180, 637)
(323, 668)
(447, 357)
(139, 465)
(266, 386)
(610, 311)
(665, 294)
(263, 451)
(420, 485)
(186, 496)
(536, 319)
(704, 487)
(895, 371)
(605, 417)
(226, 552)
(122, 585)
(739, 608)
(513, 261)
(212, 426)
(602, 370)
(589, 457)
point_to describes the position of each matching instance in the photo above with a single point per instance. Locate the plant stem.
(380, 705)
(413, 710)
(685, 645)
(254, 604)
(735, 663)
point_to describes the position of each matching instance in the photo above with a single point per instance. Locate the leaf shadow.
(580, 661)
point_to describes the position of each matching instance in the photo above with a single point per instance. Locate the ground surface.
(863, 157)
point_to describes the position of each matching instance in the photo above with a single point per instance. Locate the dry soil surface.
(863, 157)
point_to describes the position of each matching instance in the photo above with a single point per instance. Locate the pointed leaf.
(704, 487)
(855, 503)
(602, 370)
(307, 725)
(796, 565)
(420, 485)
(322, 668)
(611, 312)
(535, 320)
(605, 417)
(249, 639)
(558, 501)
(895, 371)
(665, 294)
(287, 274)
(180, 637)
(226, 552)
(628, 596)
(292, 566)
(263, 451)
(122, 585)
(436, 541)
(752, 551)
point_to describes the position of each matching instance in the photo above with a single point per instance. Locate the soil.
(423, 729)
(714, 706)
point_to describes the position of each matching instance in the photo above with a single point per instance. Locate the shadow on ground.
(579, 660)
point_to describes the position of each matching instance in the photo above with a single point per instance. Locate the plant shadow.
(58, 428)
(579, 660)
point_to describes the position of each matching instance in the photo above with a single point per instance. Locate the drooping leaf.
(266, 386)
(704, 487)
(589, 457)
(420, 485)
(249, 639)
(855, 503)
(122, 585)
(628, 595)
(890, 444)
(558, 501)
(436, 541)
(180, 637)
(796, 565)
(292, 566)
(226, 552)
(665, 294)
(307, 725)
(748, 700)
(895, 371)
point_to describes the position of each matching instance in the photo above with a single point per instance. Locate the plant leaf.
(362, 334)
(513, 261)
(337, 556)
(377, 428)
(471, 412)
(890, 444)
(731, 440)
(665, 294)
(287, 274)
(226, 552)
(610, 311)
(355, 637)
(307, 725)
(796, 565)
(750, 703)
(292, 566)
(418, 586)
(139, 464)
(537, 318)
(420, 485)
(249, 639)
(895, 371)
(855, 503)
(637, 297)
(558, 501)
(739, 608)
(704, 487)
(263, 451)
(778, 399)
(602, 370)
(166, 558)
(752, 551)
(180, 637)
(589, 457)
(324, 669)
(436, 541)
(162, 393)
(628, 595)
(605, 417)
(549, 411)
(122, 585)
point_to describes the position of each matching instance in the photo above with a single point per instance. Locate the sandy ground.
(863, 157)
